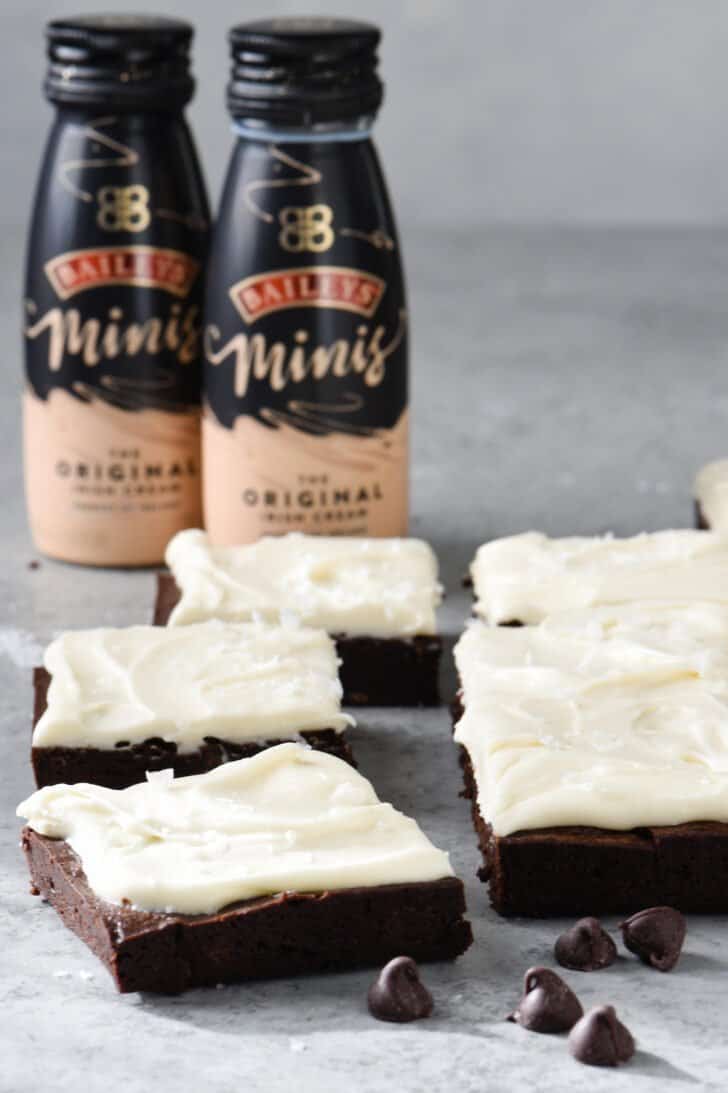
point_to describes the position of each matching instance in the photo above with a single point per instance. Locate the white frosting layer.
(289, 819)
(615, 717)
(527, 577)
(377, 587)
(711, 493)
(234, 681)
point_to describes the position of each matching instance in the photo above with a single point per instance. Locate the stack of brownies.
(593, 721)
(200, 819)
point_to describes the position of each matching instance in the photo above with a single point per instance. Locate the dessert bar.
(595, 753)
(112, 704)
(276, 865)
(526, 578)
(376, 597)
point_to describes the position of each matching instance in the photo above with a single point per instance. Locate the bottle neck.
(341, 132)
(85, 112)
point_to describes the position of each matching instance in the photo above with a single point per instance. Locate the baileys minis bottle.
(305, 424)
(113, 297)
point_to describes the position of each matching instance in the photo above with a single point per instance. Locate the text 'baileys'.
(305, 421)
(113, 298)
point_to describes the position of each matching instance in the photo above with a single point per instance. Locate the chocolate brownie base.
(284, 935)
(373, 671)
(587, 870)
(127, 764)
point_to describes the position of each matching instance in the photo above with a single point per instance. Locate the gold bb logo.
(306, 228)
(123, 208)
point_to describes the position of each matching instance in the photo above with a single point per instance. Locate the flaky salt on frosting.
(374, 587)
(527, 577)
(711, 493)
(233, 681)
(615, 717)
(288, 819)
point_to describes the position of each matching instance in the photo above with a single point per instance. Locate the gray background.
(502, 110)
(570, 378)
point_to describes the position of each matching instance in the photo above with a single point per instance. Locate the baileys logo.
(138, 266)
(308, 286)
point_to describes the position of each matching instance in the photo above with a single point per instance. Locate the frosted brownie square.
(525, 578)
(276, 865)
(376, 597)
(111, 704)
(595, 751)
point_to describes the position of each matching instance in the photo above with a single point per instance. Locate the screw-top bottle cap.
(136, 62)
(304, 71)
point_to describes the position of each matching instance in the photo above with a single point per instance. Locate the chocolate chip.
(548, 1004)
(398, 993)
(586, 947)
(34, 564)
(600, 1039)
(656, 935)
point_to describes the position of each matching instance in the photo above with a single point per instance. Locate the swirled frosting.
(615, 717)
(288, 819)
(233, 681)
(375, 587)
(527, 577)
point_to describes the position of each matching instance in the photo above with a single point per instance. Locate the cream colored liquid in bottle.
(305, 424)
(112, 309)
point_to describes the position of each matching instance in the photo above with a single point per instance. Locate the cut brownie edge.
(168, 596)
(119, 767)
(374, 671)
(701, 522)
(590, 871)
(283, 935)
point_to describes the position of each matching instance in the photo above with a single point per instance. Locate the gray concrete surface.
(566, 381)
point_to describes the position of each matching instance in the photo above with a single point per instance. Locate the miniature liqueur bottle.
(113, 297)
(305, 347)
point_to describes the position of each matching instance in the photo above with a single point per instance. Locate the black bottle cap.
(138, 62)
(304, 71)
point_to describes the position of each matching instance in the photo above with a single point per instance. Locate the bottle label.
(95, 350)
(305, 425)
(113, 328)
(317, 286)
(141, 267)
